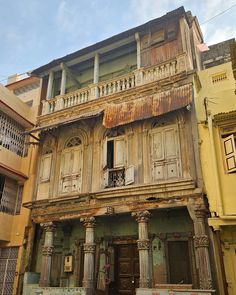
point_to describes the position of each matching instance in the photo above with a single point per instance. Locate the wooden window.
(229, 153)
(9, 195)
(71, 167)
(45, 168)
(115, 172)
(164, 153)
(12, 135)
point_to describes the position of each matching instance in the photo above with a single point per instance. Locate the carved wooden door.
(127, 277)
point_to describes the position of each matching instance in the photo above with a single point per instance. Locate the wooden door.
(127, 276)
(179, 263)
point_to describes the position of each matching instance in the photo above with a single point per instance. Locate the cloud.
(220, 34)
(149, 9)
(66, 18)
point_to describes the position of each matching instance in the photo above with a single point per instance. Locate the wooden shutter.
(170, 143)
(129, 175)
(65, 172)
(157, 146)
(66, 163)
(76, 175)
(45, 168)
(106, 178)
(230, 153)
(104, 159)
(119, 152)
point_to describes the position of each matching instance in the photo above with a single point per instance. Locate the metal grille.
(11, 196)
(11, 135)
(116, 177)
(8, 261)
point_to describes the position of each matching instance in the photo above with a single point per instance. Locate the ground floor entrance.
(126, 270)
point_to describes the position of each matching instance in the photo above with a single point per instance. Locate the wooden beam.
(70, 74)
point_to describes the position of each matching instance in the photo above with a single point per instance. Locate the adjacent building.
(17, 175)
(216, 112)
(119, 205)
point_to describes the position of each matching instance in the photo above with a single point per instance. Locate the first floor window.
(116, 172)
(164, 153)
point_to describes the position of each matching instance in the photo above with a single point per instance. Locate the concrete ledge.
(141, 291)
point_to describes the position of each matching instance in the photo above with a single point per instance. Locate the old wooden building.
(118, 202)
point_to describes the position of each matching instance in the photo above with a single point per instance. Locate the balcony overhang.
(83, 116)
(148, 106)
(165, 195)
(12, 173)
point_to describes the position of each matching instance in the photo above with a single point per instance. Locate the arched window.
(71, 166)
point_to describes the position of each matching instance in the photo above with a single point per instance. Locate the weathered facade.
(17, 164)
(118, 202)
(216, 113)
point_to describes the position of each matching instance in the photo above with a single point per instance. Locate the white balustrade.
(136, 78)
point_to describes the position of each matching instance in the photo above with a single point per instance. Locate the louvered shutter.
(157, 149)
(230, 153)
(65, 172)
(76, 175)
(119, 152)
(104, 146)
(171, 153)
(45, 168)
(129, 175)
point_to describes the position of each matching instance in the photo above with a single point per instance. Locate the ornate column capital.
(143, 244)
(48, 226)
(201, 241)
(47, 250)
(89, 248)
(88, 221)
(141, 216)
(200, 213)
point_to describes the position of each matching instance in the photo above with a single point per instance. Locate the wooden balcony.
(119, 84)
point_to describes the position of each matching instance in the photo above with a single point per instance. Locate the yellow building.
(17, 165)
(216, 111)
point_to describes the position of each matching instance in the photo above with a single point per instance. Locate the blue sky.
(34, 32)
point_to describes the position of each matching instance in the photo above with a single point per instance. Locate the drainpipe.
(222, 267)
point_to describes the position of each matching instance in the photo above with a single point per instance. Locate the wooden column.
(50, 85)
(89, 252)
(96, 74)
(63, 80)
(143, 244)
(137, 37)
(201, 245)
(47, 252)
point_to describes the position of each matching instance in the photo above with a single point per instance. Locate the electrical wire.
(220, 13)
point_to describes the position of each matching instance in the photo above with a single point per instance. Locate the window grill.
(11, 135)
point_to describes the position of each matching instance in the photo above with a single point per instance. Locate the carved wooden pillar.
(47, 254)
(201, 244)
(89, 251)
(143, 244)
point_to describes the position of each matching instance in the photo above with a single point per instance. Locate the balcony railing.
(123, 83)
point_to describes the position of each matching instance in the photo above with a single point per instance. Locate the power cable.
(220, 13)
